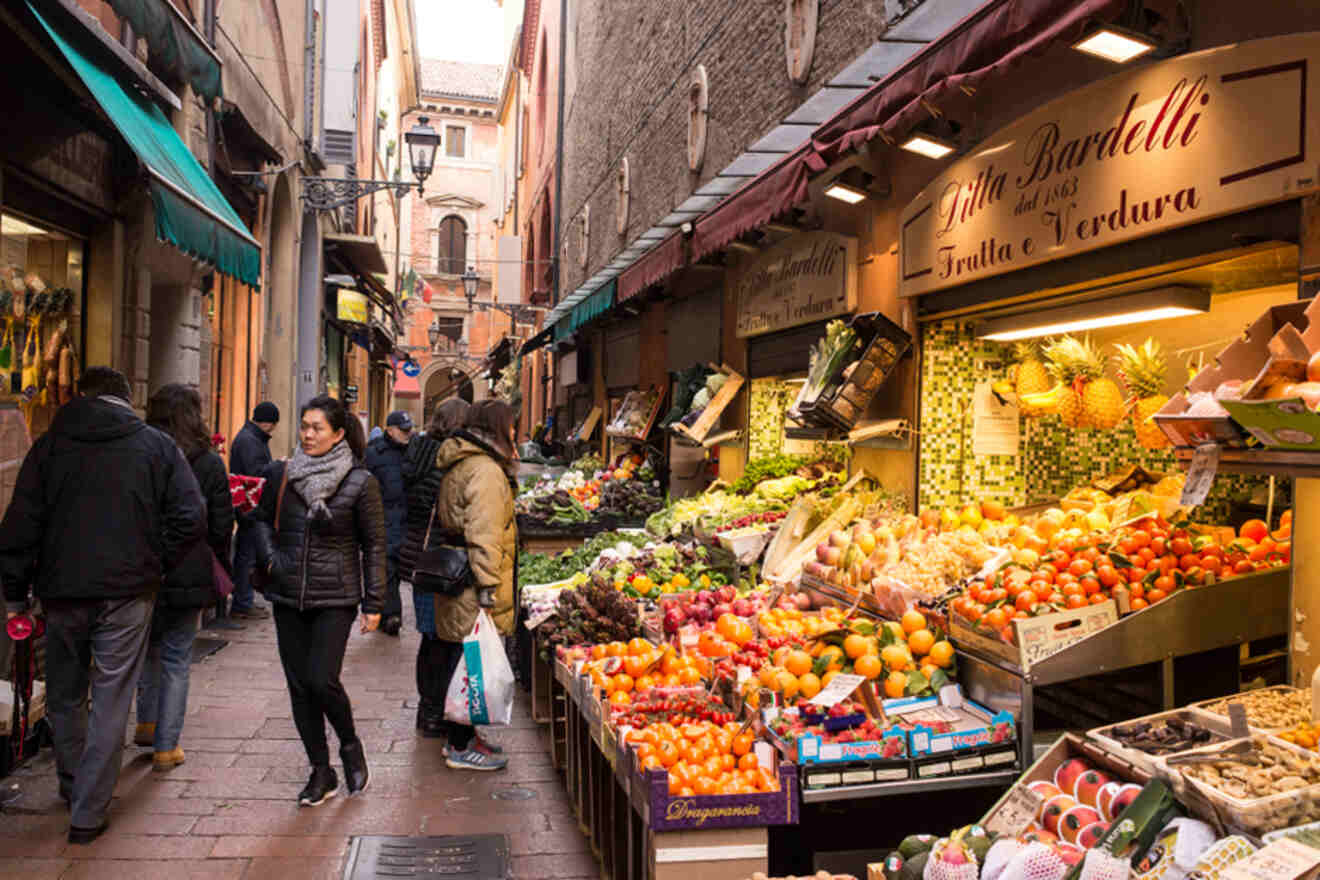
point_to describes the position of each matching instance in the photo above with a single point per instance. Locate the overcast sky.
(461, 30)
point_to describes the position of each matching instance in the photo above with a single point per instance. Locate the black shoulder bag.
(444, 568)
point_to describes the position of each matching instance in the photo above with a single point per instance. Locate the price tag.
(839, 688)
(534, 622)
(1018, 810)
(1237, 717)
(1283, 859)
(1200, 474)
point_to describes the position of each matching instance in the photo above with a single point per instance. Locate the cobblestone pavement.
(229, 811)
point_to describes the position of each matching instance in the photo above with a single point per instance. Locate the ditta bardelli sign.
(351, 306)
(807, 278)
(1171, 144)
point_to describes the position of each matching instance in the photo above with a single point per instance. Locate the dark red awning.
(994, 37)
(652, 267)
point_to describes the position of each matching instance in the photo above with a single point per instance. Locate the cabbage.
(716, 382)
(700, 400)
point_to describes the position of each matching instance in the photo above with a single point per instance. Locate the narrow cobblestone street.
(229, 812)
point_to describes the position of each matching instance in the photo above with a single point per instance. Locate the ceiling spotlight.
(928, 145)
(1115, 44)
(837, 189)
(855, 185)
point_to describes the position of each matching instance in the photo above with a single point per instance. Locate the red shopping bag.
(245, 492)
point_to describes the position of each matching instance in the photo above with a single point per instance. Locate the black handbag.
(443, 569)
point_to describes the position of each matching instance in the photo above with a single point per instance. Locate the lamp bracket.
(328, 193)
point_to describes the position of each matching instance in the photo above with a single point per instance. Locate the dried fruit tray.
(1204, 706)
(1256, 816)
(1218, 726)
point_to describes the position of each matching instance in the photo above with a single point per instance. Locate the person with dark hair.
(249, 457)
(321, 541)
(421, 477)
(162, 692)
(476, 501)
(385, 461)
(103, 507)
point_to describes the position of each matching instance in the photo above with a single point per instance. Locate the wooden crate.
(710, 416)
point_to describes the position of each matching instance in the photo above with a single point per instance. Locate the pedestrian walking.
(421, 477)
(476, 501)
(321, 541)
(385, 461)
(103, 507)
(249, 458)
(162, 692)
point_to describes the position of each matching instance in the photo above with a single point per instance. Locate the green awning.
(600, 301)
(175, 46)
(190, 212)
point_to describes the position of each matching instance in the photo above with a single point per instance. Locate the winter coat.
(385, 461)
(191, 583)
(103, 506)
(421, 480)
(250, 454)
(476, 501)
(313, 566)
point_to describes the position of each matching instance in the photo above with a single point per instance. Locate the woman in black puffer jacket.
(321, 540)
(162, 693)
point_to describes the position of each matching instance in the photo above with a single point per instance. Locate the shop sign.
(351, 306)
(1175, 143)
(350, 394)
(807, 278)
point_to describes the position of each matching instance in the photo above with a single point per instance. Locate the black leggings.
(312, 645)
(437, 661)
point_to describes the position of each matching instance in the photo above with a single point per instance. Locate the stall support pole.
(1304, 638)
(1166, 685)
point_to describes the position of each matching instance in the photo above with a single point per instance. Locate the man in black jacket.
(249, 456)
(385, 461)
(103, 507)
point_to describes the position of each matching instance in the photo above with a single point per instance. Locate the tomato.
(1076, 601)
(1079, 567)
(1189, 561)
(1163, 584)
(1212, 564)
(1098, 598)
(1141, 538)
(1108, 575)
(1180, 546)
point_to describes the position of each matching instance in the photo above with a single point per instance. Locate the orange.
(703, 785)
(868, 665)
(643, 683)
(787, 684)
(639, 647)
(693, 731)
(833, 657)
(725, 625)
(809, 685)
(672, 681)
(634, 666)
(620, 698)
(928, 668)
(645, 750)
(941, 653)
(597, 652)
(742, 744)
(921, 641)
(671, 663)
(895, 685)
(727, 762)
(766, 675)
(855, 646)
(827, 678)
(689, 676)
(913, 621)
(623, 682)
(896, 657)
(651, 762)
(615, 649)
(747, 762)
(798, 662)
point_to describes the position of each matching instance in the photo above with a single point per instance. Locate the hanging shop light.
(1134, 308)
(854, 185)
(925, 144)
(1116, 44)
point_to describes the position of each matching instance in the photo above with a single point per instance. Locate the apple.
(744, 607)
(674, 619)
(840, 539)
(1089, 836)
(1074, 820)
(1066, 776)
(1088, 785)
(823, 552)
(803, 601)
(727, 593)
(722, 609)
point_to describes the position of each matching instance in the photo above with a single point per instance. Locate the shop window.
(800, 17)
(455, 142)
(623, 194)
(698, 111)
(451, 258)
(41, 292)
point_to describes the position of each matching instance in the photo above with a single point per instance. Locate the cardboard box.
(708, 855)
(1283, 423)
(948, 722)
(1242, 359)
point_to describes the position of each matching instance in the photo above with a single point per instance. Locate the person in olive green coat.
(476, 500)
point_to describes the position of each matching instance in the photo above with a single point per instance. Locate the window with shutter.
(455, 141)
(452, 256)
(339, 76)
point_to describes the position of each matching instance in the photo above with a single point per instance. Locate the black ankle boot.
(431, 722)
(321, 786)
(356, 776)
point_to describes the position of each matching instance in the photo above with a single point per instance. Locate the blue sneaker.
(472, 759)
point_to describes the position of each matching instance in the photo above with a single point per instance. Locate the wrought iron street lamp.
(328, 193)
(521, 314)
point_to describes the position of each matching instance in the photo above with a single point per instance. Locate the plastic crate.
(1204, 706)
(1220, 731)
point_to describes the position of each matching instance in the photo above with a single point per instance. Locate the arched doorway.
(281, 292)
(443, 378)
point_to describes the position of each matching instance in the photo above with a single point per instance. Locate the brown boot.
(163, 762)
(144, 735)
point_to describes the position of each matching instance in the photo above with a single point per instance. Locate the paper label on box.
(765, 754)
(534, 622)
(839, 688)
(1200, 474)
(856, 777)
(1016, 812)
(893, 774)
(942, 768)
(1284, 859)
(831, 752)
(824, 779)
(921, 742)
(968, 763)
(994, 759)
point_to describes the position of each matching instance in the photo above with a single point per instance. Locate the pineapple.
(1143, 371)
(1030, 376)
(1092, 400)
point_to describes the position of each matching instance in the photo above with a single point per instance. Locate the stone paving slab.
(229, 813)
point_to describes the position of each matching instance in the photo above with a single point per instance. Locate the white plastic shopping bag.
(481, 691)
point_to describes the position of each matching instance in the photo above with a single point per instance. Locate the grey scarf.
(317, 478)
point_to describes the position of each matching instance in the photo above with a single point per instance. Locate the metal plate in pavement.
(469, 857)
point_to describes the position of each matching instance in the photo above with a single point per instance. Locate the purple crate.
(700, 812)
